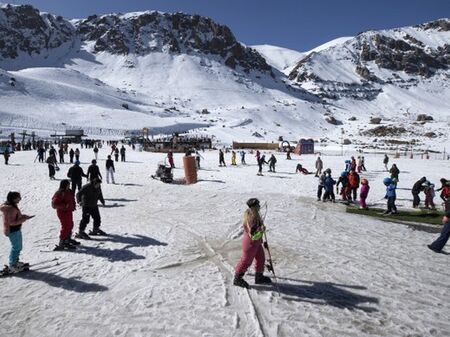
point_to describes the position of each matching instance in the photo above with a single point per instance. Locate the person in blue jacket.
(328, 185)
(391, 195)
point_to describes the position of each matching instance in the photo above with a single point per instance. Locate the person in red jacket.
(353, 183)
(64, 203)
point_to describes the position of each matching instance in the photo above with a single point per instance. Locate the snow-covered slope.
(278, 57)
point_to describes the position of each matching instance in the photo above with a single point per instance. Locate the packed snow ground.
(166, 268)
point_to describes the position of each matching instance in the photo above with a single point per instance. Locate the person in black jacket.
(122, 153)
(76, 175)
(93, 171)
(88, 198)
(110, 169)
(71, 154)
(417, 188)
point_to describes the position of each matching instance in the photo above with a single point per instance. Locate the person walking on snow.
(321, 186)
(243, 158)
(6, 155)
(363, 193)
(76, 175)
(93, 171)
(363, 167)
(445, 193)
(12, 228)
(116, 154)
(64, 203)
(71, 155)
(258, 156)
(61, 155)
(221, 158)
(122, 153)
(416, 189)
(252, 246)
(329, 187)
(441, 241)
(233, 158)
(272, 161)
(170, 159)
(391, 195)
(198, 158)
(77, 154)
(394, 171)
(96, 152)
(52, 165)
(261, 162)
(359, 165)
(88, 198)
(386, 161)
(319, 166)
(110, 170)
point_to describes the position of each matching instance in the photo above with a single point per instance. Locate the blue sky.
(295, 24)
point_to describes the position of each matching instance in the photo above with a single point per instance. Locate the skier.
(261, 162)
(429, 195)
(319, 166)
(272, 161)
(71, 154)
(93, 171)
(221, 158)
(76, 175)
(122, 153)
(170, 159)
(386, 161)
(329, 189)
(110, 170)
(390, 195)
(321, 186)
(77, 154)
(12, 228)
(233, 158)
(252, 246)
(116, 154)
(96, 152)
(417, 188)
(353, 181)
(64, 203)
(243, 158)
(363, 193)
(88, 197)
(52, 165)
(394, 171)
(440, 242)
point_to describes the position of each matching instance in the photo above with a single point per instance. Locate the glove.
(265, 245)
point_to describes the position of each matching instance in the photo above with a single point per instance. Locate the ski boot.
(97, 231)
(261, 279)
(73, 242)
(240, 282)
(82, 235)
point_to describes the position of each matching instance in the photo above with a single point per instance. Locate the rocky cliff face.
(143, 33)
(23, 29)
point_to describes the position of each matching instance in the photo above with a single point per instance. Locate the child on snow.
(328, 185)
(12, 228)
(390, 195)
(64, 203)
(429, 195)
(252, 246)
(363, 193)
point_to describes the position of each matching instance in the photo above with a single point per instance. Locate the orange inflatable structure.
(190, 169)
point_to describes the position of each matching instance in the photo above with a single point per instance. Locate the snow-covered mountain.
(170, 72)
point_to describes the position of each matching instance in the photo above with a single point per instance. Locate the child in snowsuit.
(329, 187)
(345, 189)
(64, 203)
(353, 181)
(252, 246)
(233, 158)
(390, 195)
(12, 228)
(429, 196)
(363, 193)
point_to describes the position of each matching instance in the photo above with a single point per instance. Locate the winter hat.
(252, 202)
(364, 181)
(94, 161)
(77, 162)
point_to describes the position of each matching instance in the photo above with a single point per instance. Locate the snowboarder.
(64, 203)
(110, 170)
(252, 246)
(71, 155)
(386, 161)
(12, 228)
(76, 175)
(363, 193)
(93, 171)
(77, 154)
(233, 158)
(116, 154)
(319, 166)
(417, 188)
(96, 152)
(122, 153)
(52, 166)
(391, 195)
(221, 158)
(88, 198)
(272, 161)
(394, 171)
(261, 162)
(440, 242)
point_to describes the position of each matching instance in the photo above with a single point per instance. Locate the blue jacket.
(390, 191)
(329, 182)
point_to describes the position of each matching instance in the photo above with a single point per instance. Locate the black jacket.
(93, 172)
(418, 186)
(89, 196)
(110, 163)
(75, 173)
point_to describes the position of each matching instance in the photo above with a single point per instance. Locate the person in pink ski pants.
(252, 246)
(363, 192)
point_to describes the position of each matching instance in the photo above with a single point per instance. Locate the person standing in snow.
(233, 158)
(96, 152)
(6, 155)
(76, 175)
(41, 154)
(258, 155)
(363, 167)
(272, 161)
(363, 193)
(77, 154)
(110, 170)
(71, 155)
(64, 203)
(345, 189)
(88, 198)
(61, 155)
(329, 187)
(52, 165)
(170, 159)
(243, 158)
(391, 195)
(321, 186)
(221, 158)
(261, 162)
(93, 171)
(122, 153)
(445, 193)
(416, 189)
(441, 241)
(429, 195)
(359, 165)
(198, 158)
(252, 246)
(353, 182)
(116, 154)
(288, 154)
(12, 228)
(386, 161)
(319, 166)
(394, 171)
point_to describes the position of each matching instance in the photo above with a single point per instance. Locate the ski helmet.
(387, 181)
(344, 174)
(77, 162)
(253, 202)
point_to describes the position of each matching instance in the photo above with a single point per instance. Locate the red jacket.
(63, 201)
(353, 179)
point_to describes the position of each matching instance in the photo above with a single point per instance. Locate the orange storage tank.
(190, 169)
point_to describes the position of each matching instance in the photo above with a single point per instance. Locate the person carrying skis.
(386, 161)
(88, 198)
(319, 166)
(363, 193)
(170, 159)
(221, 158)
(261, 162)
(52, 165)
(441, 241)
(76, 175)
(110, 170)
(64, 203)
(12, 228)
(93, 171)
(252, 246)
(391, 195)
(122, 153)
(96, 152)
(394, 171)
(233, 158)
(77, 154)
(353, 182)
(272, 161)
(329, 187)
(416, 189)
(71, 155)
